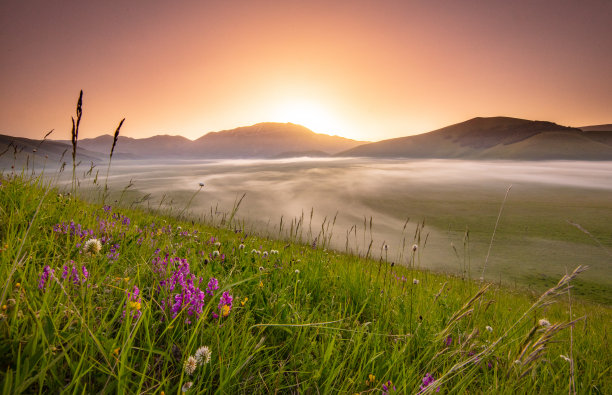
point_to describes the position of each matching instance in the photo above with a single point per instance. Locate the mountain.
(130, 148)
(263, 140)
(20, 150)
(495, 138)
(597, 128)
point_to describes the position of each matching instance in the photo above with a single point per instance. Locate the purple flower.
(225, 304)
(428, 380)
(386, 388)
(85, 273)
(213, 285)
(47, 271)
(448, 341)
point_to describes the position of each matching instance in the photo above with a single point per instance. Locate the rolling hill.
(262, 140)
(496, 138)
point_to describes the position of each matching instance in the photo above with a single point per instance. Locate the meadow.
(107, 295)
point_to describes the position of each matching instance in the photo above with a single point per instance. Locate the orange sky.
(366, 70)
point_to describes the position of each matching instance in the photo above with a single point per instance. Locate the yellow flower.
(126, 279)
(371, 379)
(4, 307)
(261, 284)
(135, 305)
(18, 285)
(116, 351)
(244, 301)
(225, 310)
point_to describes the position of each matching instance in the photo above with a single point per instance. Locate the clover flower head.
(203, 354)
(92, 246)
(489, 329)
(187, 386)
(415, 281)
(241, 246)
(190, 365)
(544, 323)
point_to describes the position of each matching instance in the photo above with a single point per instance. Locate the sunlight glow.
(309, 113)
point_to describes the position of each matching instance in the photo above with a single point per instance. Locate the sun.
(308, 113)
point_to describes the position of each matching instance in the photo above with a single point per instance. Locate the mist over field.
(541, 231)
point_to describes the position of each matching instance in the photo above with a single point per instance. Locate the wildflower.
(241, 247)
(202, 355)
(297, 271)
(201, 184)
(244, 301)
(213, 285)
(427, 381)
(386, 388)
(274, 252)
(215, 253)
(225, 304)
(190, 365)
(371, 379)
(92, 246)
(261, 269)
(254, 251)
(4, 307)
(415, 281)
(18, 285)
(414, 247)
(386, 247)
(261, 284)
(187, 386)
(449, 341)
(217, 244)
(544, 323)
(488, 328)
(45, 276)
(116, 351)
(264, 254)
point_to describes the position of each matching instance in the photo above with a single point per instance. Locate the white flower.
(297, 271)
(386, 247)
(92, 246)
(488, 328)
(241, 247)
(414, 247)
(202, 355)
(217, 244)
(190, 365)
(544, 323)
(187, 386)
(265, 254)
(215, 253)
(274, 252)
(415, 281)
(261, 269)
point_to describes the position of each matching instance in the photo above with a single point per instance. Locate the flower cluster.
(73, 229)
(225, 304)
(134, 303)
(387, 387)
(182, 286)
(74, 273)
(47, 271)
(427, 381)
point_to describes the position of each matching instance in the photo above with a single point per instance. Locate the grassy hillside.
(276, 316)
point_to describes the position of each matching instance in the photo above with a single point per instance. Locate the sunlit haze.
(367, 70)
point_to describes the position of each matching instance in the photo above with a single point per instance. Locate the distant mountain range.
(497, 138)
(477, 138)
(262, 140)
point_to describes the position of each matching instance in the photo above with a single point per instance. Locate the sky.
(366, 70)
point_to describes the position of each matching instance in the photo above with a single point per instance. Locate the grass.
(303, 319)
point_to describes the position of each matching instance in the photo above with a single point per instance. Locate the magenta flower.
(213, 285)
(47, 271)
(427, 381)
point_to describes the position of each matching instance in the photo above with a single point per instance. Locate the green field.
(302, 319)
